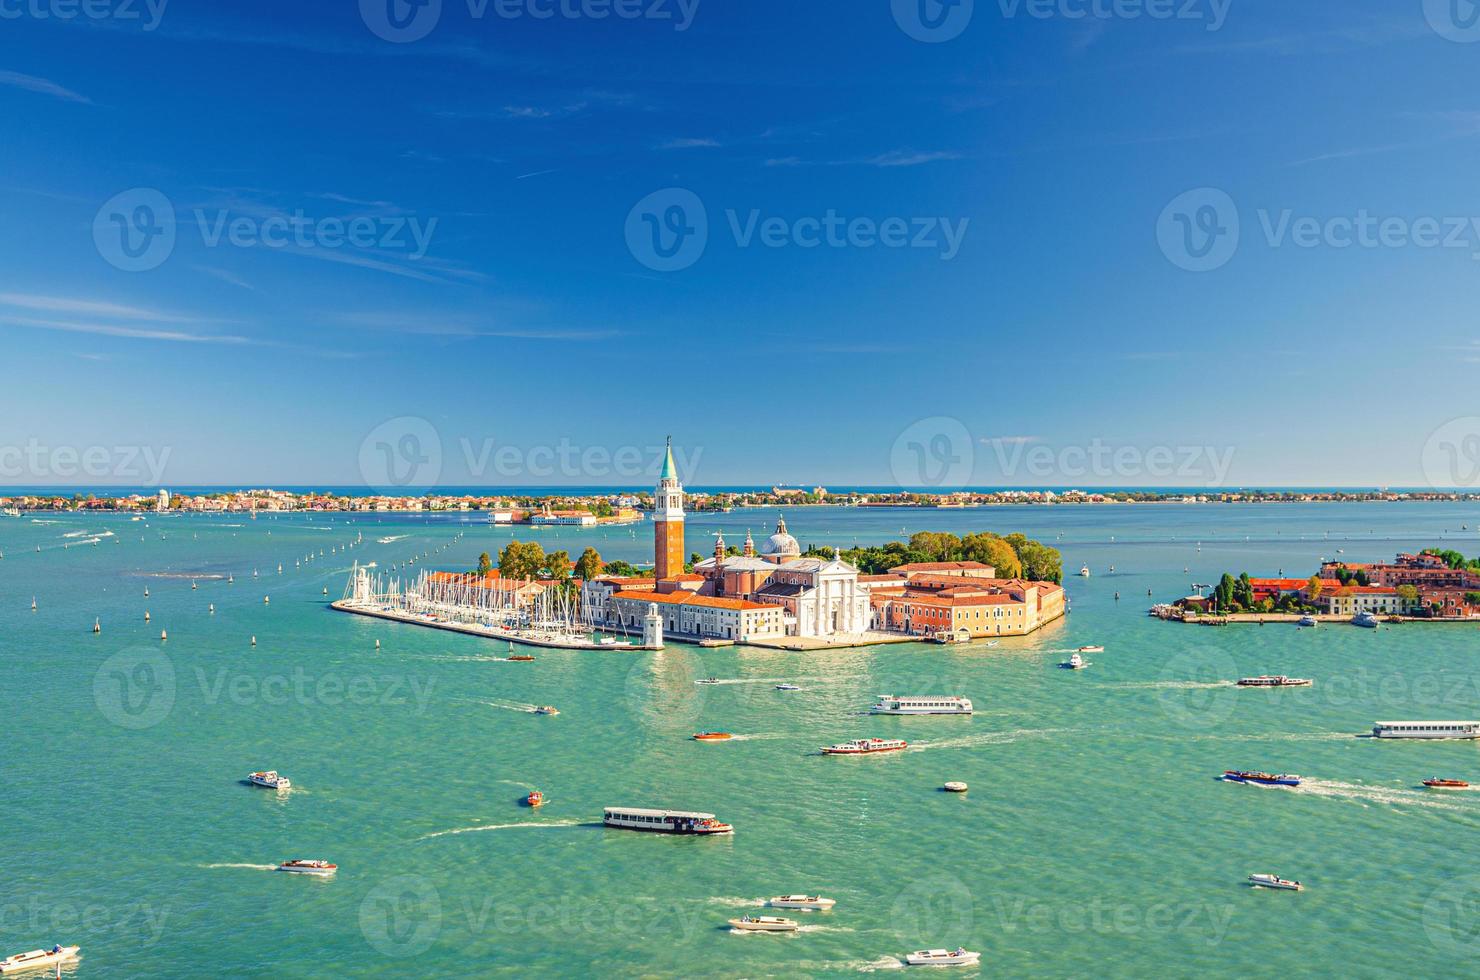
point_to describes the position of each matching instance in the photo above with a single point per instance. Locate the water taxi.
(546, 709)
(954, 786)
(1434, 782)
(520, 658)
(1261, 778)
(1426, 729)
(1273, 680)
(664, 821)
(38, 958)
(866, 746)
(1089, 650)
(302, 867)
(270, 779)
(712, 736)
(894, 704)
(805, 903)
(535, 798)
(787, 687)
(960, 956)
(764, 923)
(1274, 881)
(1075, 662)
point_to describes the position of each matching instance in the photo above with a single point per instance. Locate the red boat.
(1437, 783)
(712, 736)
(519, 657)
(535, 798)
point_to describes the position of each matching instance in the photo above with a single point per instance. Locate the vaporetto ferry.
(664, 821)
(894, 704)
(1426, 729)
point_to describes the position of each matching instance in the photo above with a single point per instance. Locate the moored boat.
(1273, 680)
(894, 704)
(664, 821)
(866, 746)
(1434, 782)
(960, 956)
(1308, 621)
(1365, 620)
(955, 786)
(764, 923)
(302, 867)
(712, 736)
(38, 958)
(805, 903)
(270, 779)
(1274, 881)
(1262, 778)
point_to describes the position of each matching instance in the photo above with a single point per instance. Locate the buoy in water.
(33, 603)
(212, 607)
(377, 644)
(266, 599)
(97, 626)
(146, 615)
(193, 586)
(326, 590)
(146, 592)
(254, 641)
(164, 634)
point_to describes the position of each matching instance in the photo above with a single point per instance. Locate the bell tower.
(668, 520)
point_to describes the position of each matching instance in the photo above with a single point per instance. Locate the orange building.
(668, 521)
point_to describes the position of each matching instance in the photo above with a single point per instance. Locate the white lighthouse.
(652, 628)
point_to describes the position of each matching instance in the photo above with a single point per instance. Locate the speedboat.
(807, 903)
(712, 736)
(535, 798)
(1089, 650)
(270, 779)
(1075, 662)
(1273, 680)
(520, 658)
(37, 958)
(1308, 621)
(707, 680)
(954, 786)
(960, 956)
(1262, 778)
(787, 687)
(1366, 620)
(545, 709)
(1084, 571)
(866, 746)
(321, 868)
(1436, 783)
(1274, 881)
(764, 923)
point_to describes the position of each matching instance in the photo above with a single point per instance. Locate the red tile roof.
(691, 599)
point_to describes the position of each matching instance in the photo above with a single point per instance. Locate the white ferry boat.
(1273, 680)
(321, 868)
(270, 779)
(866, 746)
(764, 923)
(664, 821)
(960, 956)
(807, 903)
(896, 704)
(1426, 729)
(38, 958)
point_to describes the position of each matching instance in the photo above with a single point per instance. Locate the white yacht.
(1274, 881)
(38, 958)
(959, 956)
(1075, 662)
(1426, 729)
(12, 512)
(321, 868)
(807, 903)
(1084, 571)
(270, 779)
(896, 704)
(764, 923)
(664, 821)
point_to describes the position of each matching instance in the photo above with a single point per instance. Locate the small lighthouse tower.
(652, 628)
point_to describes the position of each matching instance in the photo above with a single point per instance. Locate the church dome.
(781, 544)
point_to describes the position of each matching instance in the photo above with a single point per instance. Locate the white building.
(164, 500)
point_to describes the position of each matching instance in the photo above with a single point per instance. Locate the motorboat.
(805, 903)
(787, 687)
(712, 736)
(1089, 649)
(1084, 571)
(764, 923)
(38, 958)
(1435, 782)
(1274, 680)
(321, 868)
(546, 709)
(866, 746)
(707, 680)
(1307, 621)
(954, 786)
(520, 658)
(1365, 620)
(959, 956)
(1075, 662)
(1274, 881)
(1261, 778)
(270, 780)
(535, 798)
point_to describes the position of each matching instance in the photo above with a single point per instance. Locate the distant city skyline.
(996, 244)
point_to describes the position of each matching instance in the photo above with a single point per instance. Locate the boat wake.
(986, 738)
(731, 900)
(882, 963)
(1171, 685)
(252, 867)
(392, 539)
(528, 709)
(766, 737)
(814, 928)
(498, 826)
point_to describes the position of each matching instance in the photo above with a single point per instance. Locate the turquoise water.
(1095, 839)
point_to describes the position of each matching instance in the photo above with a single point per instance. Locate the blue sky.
(1020, 160)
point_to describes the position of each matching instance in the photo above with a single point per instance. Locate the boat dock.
(525, 637)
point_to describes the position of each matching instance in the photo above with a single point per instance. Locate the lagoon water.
(1095, 839)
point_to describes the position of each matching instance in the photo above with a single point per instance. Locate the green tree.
(936, 545)
(1313, 588)
(622, 569)
(588, 566)
(992, 550)
(1041, 563)
(557, 564)
(521, 560)
(485, 564)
